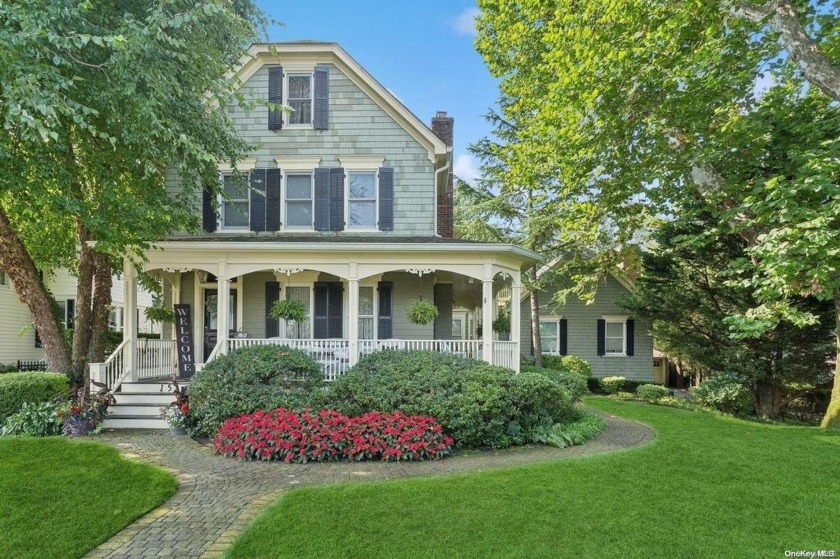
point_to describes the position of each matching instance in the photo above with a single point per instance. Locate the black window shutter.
(564, 336)
(321, 114)
(272, 200)
(275, 96)
(208, 211)
(602, 336)
(322, 199)
(335, 310)
(386, 198)
(337, 199)
(320, 319)
(272, 294)
(630, 335)
(257, 195)
(385, 326)
(70, 314)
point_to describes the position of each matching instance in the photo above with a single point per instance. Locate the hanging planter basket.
(421, 312)
(289, 309)
(502, 323)
(161, 314)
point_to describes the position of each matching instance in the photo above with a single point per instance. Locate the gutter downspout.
(437, 176)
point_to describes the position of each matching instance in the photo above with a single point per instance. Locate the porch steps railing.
(113, 371)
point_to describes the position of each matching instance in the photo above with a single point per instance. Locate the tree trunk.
(29, 286)
(535, 317)
(101, 307)
(832, 414)
(767, 399)
(84, 296)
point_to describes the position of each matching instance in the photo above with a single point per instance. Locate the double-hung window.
(615, 336)
(299, 98)
(361, 200)
(234, 204)
(299, 330)
(550, 336)
(366, 316)
(299, 207)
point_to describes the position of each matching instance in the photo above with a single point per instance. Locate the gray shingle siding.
(582, 322)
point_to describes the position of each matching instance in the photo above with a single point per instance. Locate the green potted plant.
(159, 313)
(502, 323)
(290, 310)
(421, 312)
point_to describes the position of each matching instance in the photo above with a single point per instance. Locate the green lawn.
(61, 498)
(707, 487)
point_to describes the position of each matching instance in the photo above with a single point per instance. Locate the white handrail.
(114, 369)
(215, 352)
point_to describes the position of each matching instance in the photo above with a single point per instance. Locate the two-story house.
(346, 206)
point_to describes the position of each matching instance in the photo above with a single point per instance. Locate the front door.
(211, 334)
(329, 310)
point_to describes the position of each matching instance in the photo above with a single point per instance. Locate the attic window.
(300, 98)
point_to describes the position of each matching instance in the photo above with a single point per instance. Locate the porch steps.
(138, 405)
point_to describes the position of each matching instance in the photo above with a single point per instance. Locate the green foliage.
(573, 384)
(575, 364)
(42, 419)
(473, 401)
(253, 378)
(611, 385)
(289, 309)
(17, 389)
(726, 392)
(160, 314)
(502, 323)
(651, 392)
(421, 312)
(578, 428)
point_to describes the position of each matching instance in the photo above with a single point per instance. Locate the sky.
(422, 51)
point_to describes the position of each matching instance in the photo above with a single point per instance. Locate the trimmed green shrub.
(576, 365)
(17, 389)
(651, 392)
(611, 385)
(726, 392)
(553, 362)
(473, 401)
(573, 384)
(39, 419)
(250, 379)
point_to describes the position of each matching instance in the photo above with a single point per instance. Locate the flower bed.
(330, 436)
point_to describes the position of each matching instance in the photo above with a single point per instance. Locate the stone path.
(219, 496)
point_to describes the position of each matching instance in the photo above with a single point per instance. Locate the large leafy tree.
(637, 107)
(100, 102)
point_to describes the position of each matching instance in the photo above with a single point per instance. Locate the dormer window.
(300, 98)
(235, 205)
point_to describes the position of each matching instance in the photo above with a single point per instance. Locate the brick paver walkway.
(219, 496)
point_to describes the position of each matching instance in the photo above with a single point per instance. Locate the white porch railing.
(156, 358)
(464, 348)
(506, 354)
(333, 354)
(113, 371)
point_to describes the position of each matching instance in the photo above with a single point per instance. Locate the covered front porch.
(356, 296)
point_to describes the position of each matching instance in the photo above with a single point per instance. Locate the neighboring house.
(346, 206)
(604, 334)
(18, 340)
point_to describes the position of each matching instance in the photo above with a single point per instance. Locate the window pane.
(615, 330)
(362, 214)
(615, 345)
(298, 330)
(302, 112)
(299, 87)
(299, 187)
(362, 185)
(548, 329)
(236, 214)
(366, 328)
(236, 187)
(365, 301)
(299, 214)
(456, 328)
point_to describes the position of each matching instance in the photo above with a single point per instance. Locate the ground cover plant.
(749, 490)
(17, 389)
(328, 435)
(474, 402)
(60, 498)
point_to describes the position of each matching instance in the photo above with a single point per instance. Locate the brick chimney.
(443, 126)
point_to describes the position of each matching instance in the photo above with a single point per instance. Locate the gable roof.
(623, 279)
(321, 52)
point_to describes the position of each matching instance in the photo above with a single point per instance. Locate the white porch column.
(353, 319)
(487, 314)
(515, 320)
(130, 317)
(222, 313)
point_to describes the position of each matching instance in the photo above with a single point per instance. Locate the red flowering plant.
(177, 414)
(328, 435)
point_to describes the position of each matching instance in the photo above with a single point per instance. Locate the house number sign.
(184, 339)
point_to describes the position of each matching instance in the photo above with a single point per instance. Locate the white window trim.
(299, 70)
(616, 319)
(374, 306)
(284, 217)
(364, 229)
(221, 203)
(556, 321)
(243, 166)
